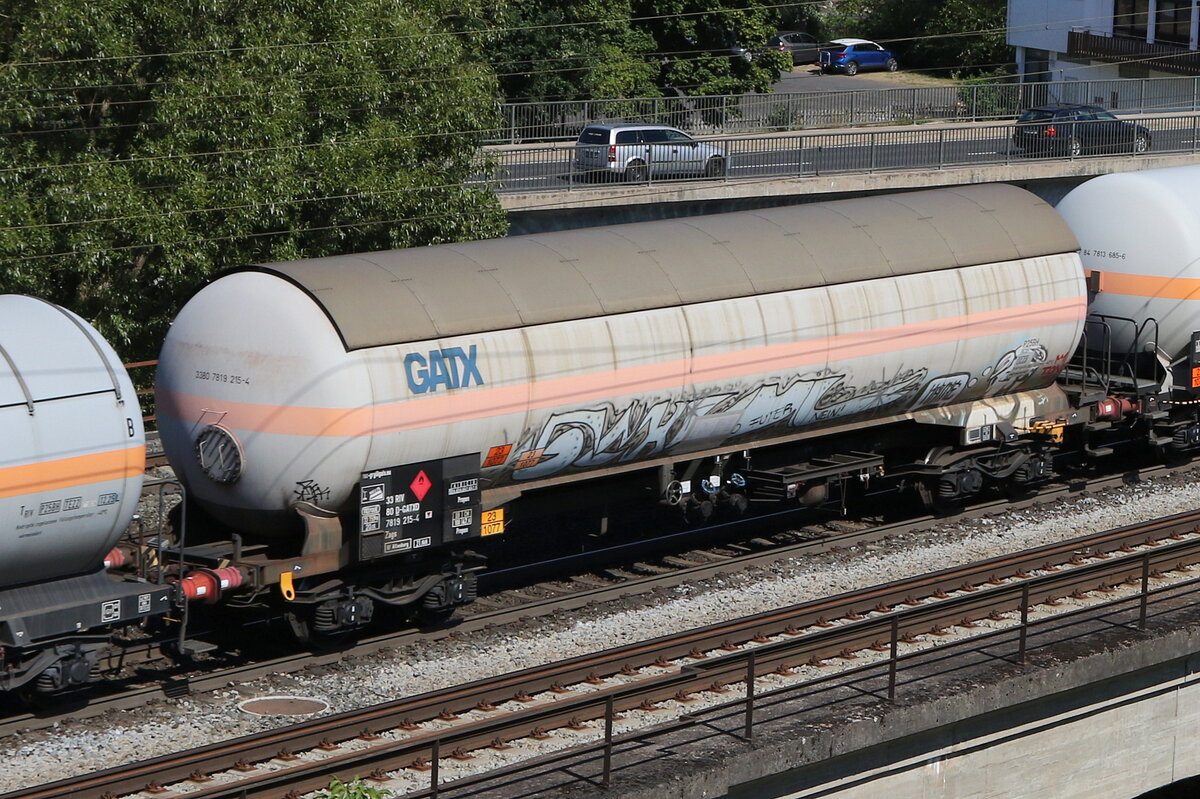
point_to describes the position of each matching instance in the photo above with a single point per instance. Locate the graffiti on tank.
(597, 437)
(310, 491)
(590, 438)
(943, 390)
(844, 398)
(1015, 367)
(645, 428)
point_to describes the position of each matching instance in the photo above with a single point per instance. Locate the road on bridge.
(884, 148)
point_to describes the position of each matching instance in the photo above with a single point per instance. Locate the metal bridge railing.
(552, 167)
(760, 113)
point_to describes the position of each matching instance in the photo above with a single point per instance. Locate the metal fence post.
(749, 728)
(895, 653)
(609, 713)
(871, 165)
(1145, 591)
(800, 157)
(853, 109)
(941, 148)
(1024, 623)
(1142, 97)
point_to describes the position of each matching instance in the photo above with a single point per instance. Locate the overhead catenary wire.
(277, 201)
(485, 75)
(489, 76)
(408, 36)
(650, 191)
(277, 148)
(302, 200)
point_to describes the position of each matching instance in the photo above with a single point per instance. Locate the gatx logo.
(448, 368)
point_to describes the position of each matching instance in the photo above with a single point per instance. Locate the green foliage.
(984, 96)
(696, 37)
(954, 38)
(146, 145)
(604, 49)
(578, 49)
(351, 790)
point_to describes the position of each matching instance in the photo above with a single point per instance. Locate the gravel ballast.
(167, 726)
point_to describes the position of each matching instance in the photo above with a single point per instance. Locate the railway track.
(522, 593)
(874, 633)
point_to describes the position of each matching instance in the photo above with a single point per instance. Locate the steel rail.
(882, 613)
(190, 683)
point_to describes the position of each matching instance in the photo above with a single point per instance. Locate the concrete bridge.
(614, 204)
(1109, 713)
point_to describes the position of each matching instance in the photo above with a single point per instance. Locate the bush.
(352, 790)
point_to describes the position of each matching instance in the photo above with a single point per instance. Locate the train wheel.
(312, 627)
(941, 494)
(931, 497)
(434, 608)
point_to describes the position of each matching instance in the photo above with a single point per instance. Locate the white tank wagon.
(74, 449)
(71, 468)
(541, 360)
(1140, 239)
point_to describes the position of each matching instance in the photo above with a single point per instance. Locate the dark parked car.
(851, 55)
(804, 48)
(1070, 129)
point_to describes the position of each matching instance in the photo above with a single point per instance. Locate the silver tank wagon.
(551, 356)
(73, 451)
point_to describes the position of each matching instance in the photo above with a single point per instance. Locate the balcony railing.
(1163, 57)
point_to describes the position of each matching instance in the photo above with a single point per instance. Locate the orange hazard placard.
(492, 522)
(497, 456)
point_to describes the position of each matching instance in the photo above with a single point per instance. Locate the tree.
(699, 42)
(957, 38)
(579, 49)
(604, 49)
(146, 144)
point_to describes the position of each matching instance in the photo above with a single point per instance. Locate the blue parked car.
(851, 55)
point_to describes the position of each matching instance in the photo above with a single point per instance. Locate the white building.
(1066, 40)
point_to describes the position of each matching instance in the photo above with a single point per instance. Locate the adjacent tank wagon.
(74, 448)
(71, 469)
(1139, 235)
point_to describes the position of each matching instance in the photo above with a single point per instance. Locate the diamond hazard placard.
(420, 485)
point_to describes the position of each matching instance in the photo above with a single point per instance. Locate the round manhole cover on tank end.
(283, 706)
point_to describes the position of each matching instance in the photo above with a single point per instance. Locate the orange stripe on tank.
(100, 467)
(475, 403)
(1167, 288)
